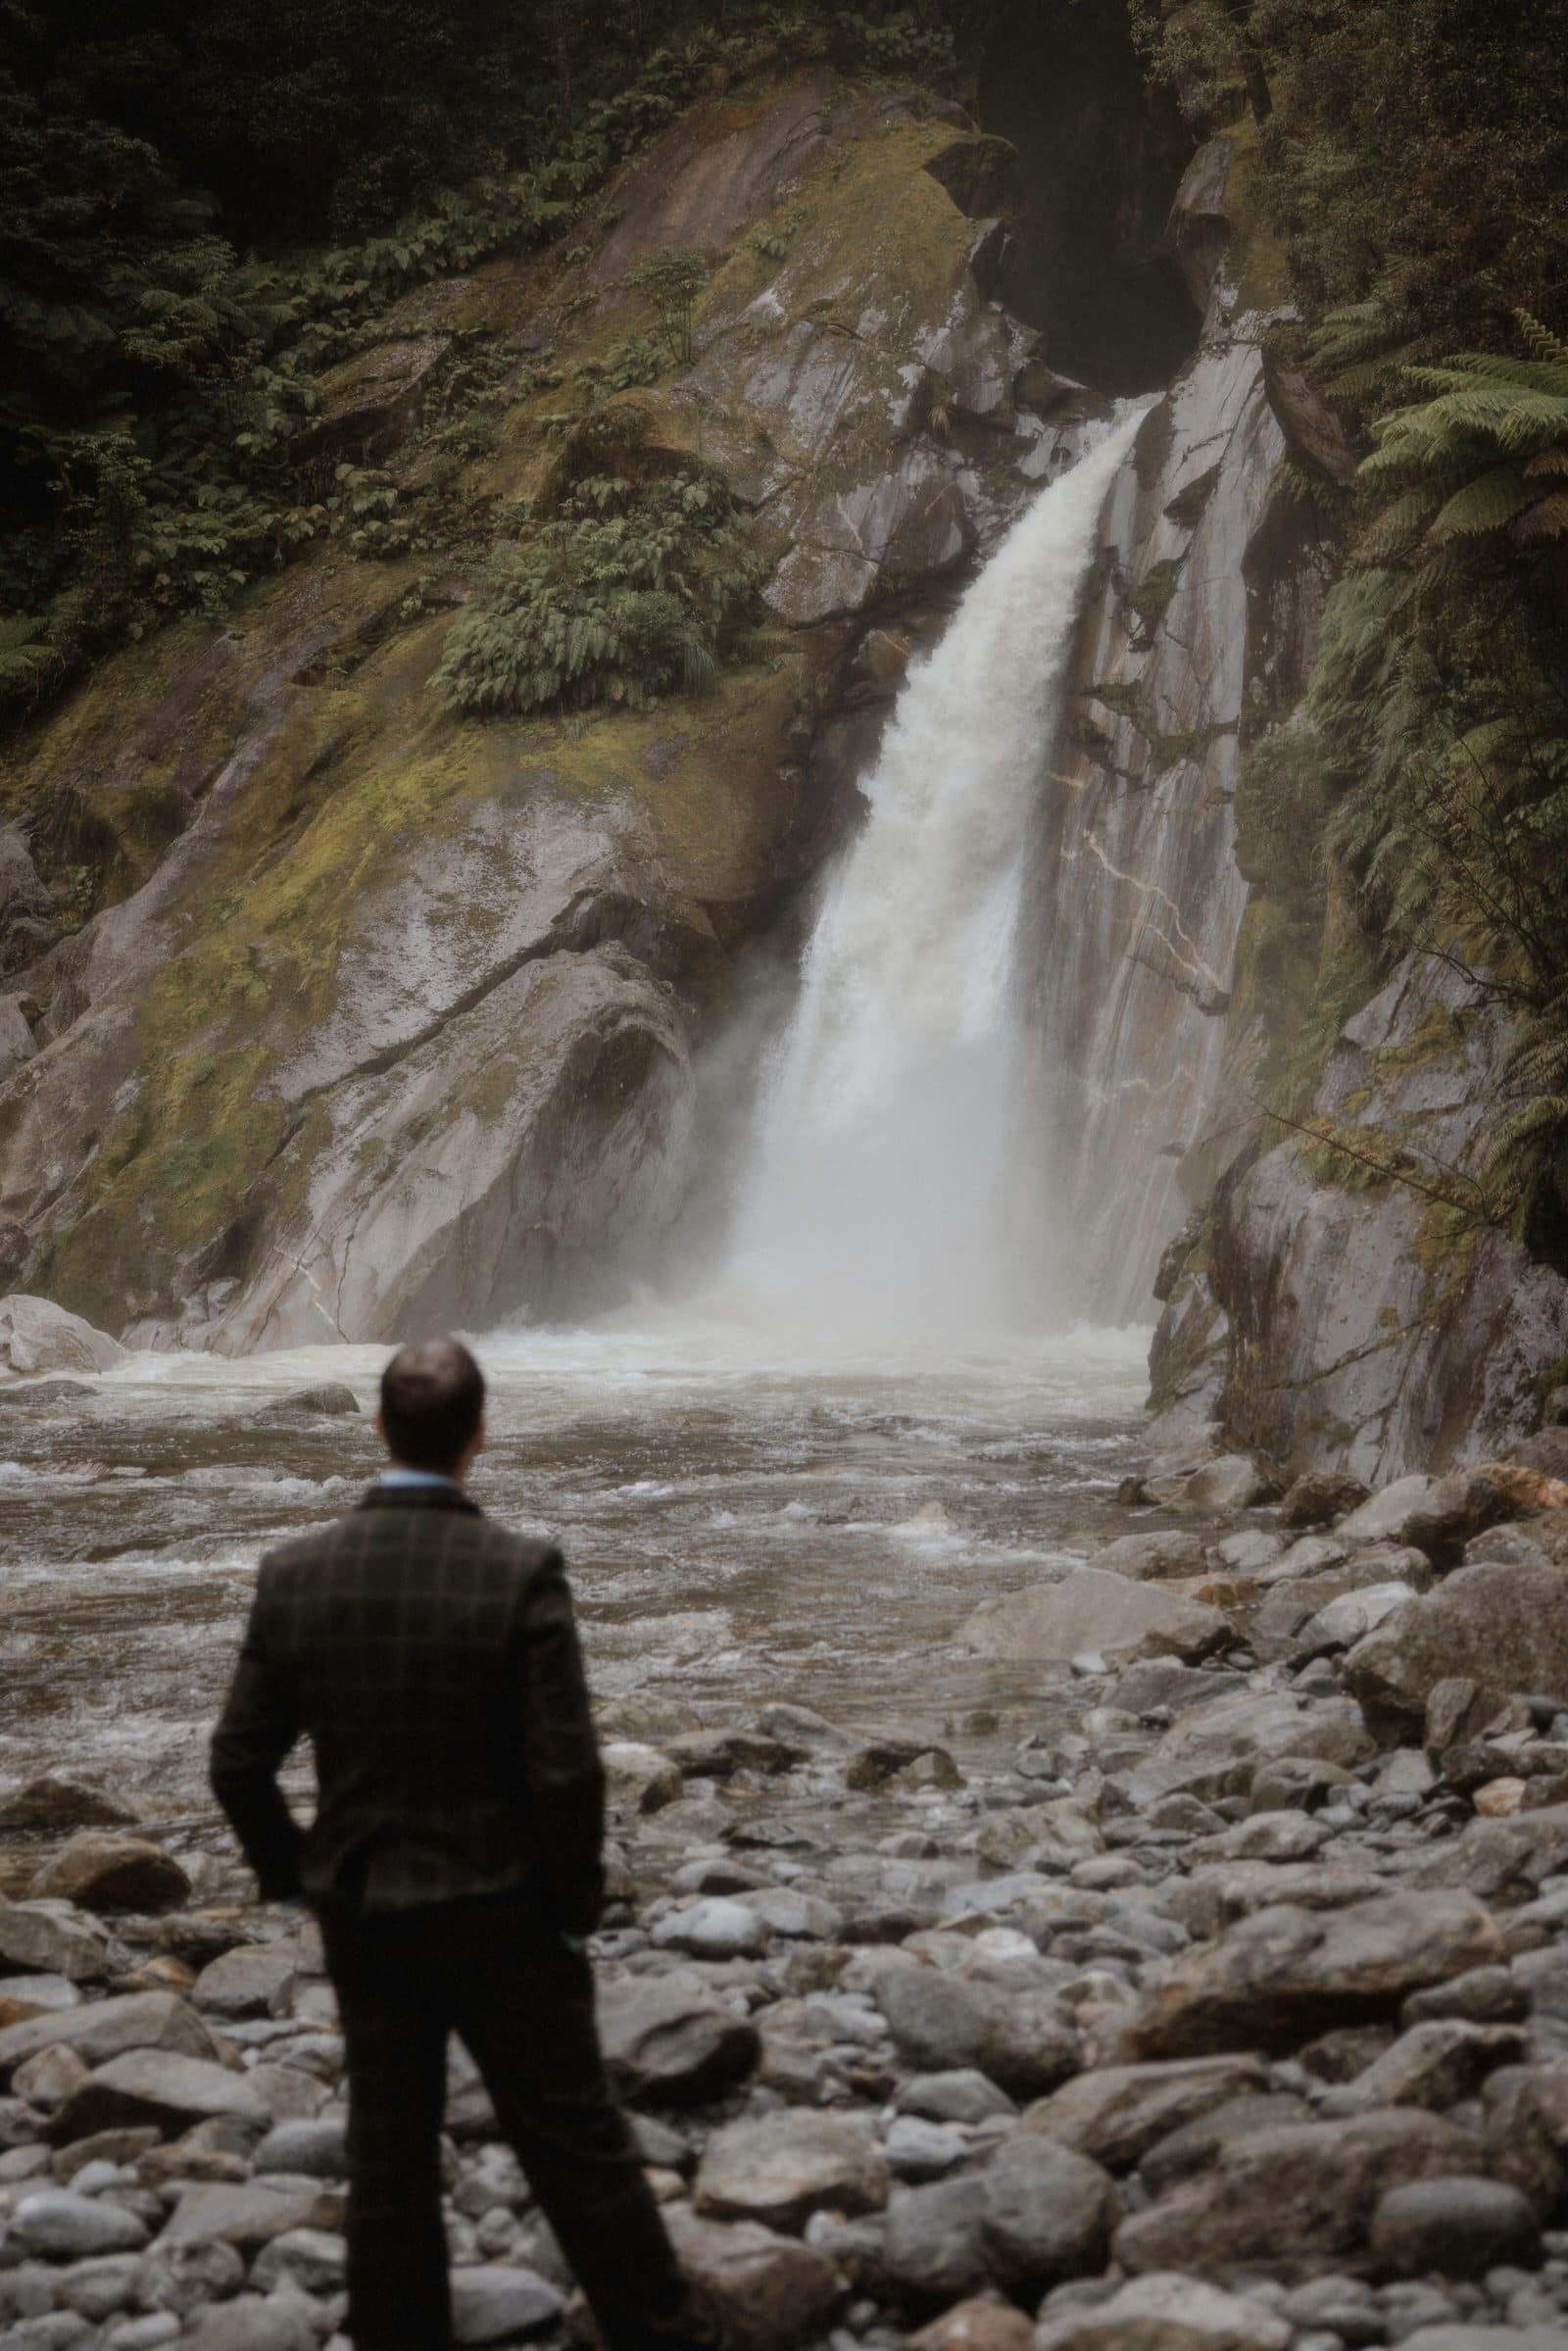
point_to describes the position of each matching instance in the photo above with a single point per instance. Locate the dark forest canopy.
(200, 205)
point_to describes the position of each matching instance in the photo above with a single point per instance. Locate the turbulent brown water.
(740, 1529)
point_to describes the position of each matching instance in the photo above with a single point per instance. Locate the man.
(455, 1861)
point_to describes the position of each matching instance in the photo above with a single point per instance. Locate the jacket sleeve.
(562, 1768)
(259, 1724)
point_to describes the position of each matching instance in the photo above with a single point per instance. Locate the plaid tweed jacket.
(433, 1660)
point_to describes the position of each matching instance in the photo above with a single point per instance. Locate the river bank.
(1202, 1986)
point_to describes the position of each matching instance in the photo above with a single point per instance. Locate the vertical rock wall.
(1139, 900)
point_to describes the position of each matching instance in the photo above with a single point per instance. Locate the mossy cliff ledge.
(380, 1016)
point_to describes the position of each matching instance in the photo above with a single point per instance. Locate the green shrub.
(672, 282)
(626, 592)
(637, 360)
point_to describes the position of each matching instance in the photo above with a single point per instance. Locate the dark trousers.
(489, 1971)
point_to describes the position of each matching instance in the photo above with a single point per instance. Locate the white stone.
(38, 1336)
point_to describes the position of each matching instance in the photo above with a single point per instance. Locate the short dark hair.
(432, 1400)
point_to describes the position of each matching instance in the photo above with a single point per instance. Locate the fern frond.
(1488, 504)
(1547, 518)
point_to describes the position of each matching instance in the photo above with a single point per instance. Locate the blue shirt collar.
(418, 1477)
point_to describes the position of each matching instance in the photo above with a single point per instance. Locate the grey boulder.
(162, 2087)
(1091, 1611)
(1457, 2227)
(100, 1869)
(38, 1336)
(931, 2254)
(1503, 1861)
(57, 1803)
(1048, 2215)
(34, 1939)
(944, 2023)
(1295, 2198)
(782, 2168)
(495, 2303)
(764, 2293)
(666, 2045)
(1165, 2311)
(1286, 1973)
(1510, 1616)
(61, 2226)
(333, 1397)
(252, 1979)
(255, 2322)
(1116, 2113)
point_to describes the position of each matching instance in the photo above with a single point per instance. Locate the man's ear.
(380, 1425)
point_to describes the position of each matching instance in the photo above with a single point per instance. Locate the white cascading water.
(889, 1187)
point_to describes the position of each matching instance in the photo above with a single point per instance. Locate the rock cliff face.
(1380, 1324)
(1334, 1316)
(388, 1018)
(1141, 902)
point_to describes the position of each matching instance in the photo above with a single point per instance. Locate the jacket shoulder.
(529, 1557)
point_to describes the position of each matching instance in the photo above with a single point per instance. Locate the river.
(741, 1526)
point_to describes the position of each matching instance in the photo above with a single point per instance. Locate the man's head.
(433, 1408)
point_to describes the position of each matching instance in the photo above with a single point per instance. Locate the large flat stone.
(1167, 2312)
(1217, 1750)
(1292, 2199)
(1117, 2112)
(248, 2214)
(35, 1941)
(105, 2029)
(162, 2087)
(782, 2168)
(1091, 1611)
(1286, 1973)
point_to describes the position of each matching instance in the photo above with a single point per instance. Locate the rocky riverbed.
(1213, 1998)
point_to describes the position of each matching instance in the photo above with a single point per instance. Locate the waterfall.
(893, 1182)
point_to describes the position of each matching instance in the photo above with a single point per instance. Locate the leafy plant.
(639, 360)
(672, 282)
(1485, 452)
(365, 510)
(626, 592)
(911, 41)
